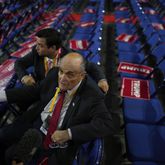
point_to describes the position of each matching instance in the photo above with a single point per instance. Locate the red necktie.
(54, 120)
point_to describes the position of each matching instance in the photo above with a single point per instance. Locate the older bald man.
(83, 115)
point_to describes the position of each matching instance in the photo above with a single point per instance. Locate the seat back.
(147, 163)
(146, 142)
(90, 153)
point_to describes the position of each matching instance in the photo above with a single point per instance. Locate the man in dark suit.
(45, 55)
(83, 117)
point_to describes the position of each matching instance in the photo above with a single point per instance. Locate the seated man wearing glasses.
(72, 112)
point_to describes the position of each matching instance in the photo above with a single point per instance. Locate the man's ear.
(83, 74)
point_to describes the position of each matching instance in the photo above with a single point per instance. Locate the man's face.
(69, 75)
(43, 49)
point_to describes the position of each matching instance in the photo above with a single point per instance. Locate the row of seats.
(88, 34)
(139, 42)
(15, 28)
(58, 19)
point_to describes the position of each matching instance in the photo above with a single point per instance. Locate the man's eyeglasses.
(55, 145)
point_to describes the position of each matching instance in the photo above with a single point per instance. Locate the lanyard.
(55, 61)
(54, 99)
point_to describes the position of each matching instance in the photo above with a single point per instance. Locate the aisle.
(114, 146)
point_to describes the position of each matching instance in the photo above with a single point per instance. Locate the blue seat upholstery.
(146, 142)
(147, 163)
(90, 153)
(143, 111)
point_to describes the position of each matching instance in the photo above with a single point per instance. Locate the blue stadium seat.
(142, 111)
(146, 142)
(147, 163)
(90, 153)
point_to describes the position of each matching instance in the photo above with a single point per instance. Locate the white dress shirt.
(3, 96)
(67, 100)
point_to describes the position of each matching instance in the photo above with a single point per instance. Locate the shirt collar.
(73, 90)
(49, 59)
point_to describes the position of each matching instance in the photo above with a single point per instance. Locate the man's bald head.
(75, 60)
(71, 70)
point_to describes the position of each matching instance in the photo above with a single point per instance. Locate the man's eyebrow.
(67, 71)
(70, 72)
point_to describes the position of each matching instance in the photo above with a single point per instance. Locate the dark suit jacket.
(87, 116)
(33, 59)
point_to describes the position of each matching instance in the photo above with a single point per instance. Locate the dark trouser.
(59, 156)
(11, 134)
(9, 137)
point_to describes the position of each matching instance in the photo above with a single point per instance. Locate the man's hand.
(28, 80)
(60, 136)
(15, 163)
(103, 84)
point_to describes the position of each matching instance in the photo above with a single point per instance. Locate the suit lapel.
(42, 68)
(73, 107)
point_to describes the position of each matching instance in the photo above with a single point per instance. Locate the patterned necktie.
(54, 120)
